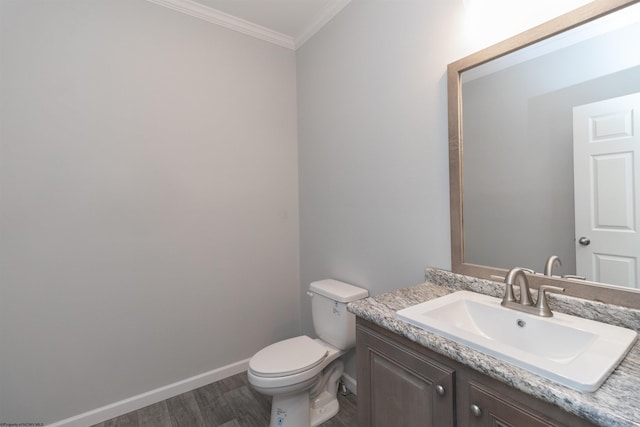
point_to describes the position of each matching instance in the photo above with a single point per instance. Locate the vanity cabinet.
(398, 386)
(401, 383)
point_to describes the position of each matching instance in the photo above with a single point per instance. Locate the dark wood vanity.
(401, 383)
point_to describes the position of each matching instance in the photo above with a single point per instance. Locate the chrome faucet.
(552, 261)
(525, 304)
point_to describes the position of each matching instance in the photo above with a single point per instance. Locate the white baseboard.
(154, 396)
(350, 382)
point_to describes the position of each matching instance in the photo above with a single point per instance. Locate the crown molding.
(320, 22)
(214, 16)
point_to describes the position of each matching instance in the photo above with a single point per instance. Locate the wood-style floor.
(227, 403)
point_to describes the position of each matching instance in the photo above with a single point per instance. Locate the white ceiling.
(288, 23)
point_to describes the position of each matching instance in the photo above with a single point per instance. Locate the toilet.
(302, 373)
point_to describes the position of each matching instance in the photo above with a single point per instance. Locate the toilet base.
(292, 410)
(308, 404)
(324, 396)
(323, 413)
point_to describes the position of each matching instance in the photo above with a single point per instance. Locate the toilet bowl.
(289, 370)
(302, 373)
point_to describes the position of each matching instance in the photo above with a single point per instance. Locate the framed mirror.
(544, 154)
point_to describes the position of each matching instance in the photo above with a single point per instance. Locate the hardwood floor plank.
(126, 420)
(156, 415)
(214, 408)
(241, 380)
(184, 411)
(232, 423)
(249, 411)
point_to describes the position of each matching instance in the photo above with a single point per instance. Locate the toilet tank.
(331, 320)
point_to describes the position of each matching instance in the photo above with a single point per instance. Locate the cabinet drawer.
(491, 408)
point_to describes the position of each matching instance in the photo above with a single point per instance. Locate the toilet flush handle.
(310, 293)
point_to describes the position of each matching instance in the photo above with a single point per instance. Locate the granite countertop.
(615, 404)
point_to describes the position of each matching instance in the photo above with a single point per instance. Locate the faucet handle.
(542, 305)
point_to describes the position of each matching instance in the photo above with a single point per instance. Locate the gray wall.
(372, 136)
(148, 201)
(148, 185)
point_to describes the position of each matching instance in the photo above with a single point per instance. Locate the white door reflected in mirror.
(607, 205)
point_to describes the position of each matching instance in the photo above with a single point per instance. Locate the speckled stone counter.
(615, 404)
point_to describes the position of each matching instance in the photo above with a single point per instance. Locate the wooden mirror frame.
(589, 290)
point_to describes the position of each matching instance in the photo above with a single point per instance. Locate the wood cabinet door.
(490, 408)
(399, 387)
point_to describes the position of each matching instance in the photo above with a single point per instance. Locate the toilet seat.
(288, 357)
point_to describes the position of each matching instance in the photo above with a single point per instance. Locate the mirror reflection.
(552, 154)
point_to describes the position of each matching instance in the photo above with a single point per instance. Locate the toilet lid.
(288, 357)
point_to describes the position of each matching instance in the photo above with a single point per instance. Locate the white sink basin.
(572, 351)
